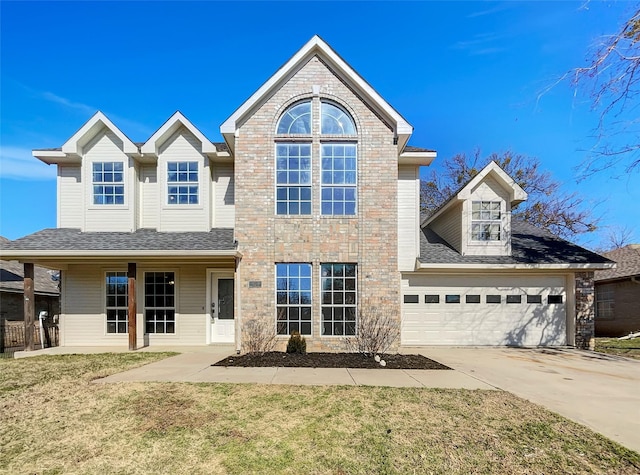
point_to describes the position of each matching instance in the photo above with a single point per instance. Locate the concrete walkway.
(597, 390)
(196, 368)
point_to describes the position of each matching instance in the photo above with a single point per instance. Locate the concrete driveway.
(599, 391)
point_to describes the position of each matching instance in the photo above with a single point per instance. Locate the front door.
(223, 328)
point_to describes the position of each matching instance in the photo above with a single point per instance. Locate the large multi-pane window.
(108, 183)
(117, 302)
(182, 183)
(337, 163)
(293, 178)
(293, 299)
(339, 179)
(485, 220)
(339, 301)
(159, 302)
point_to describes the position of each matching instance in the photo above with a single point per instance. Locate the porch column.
(132, 309)
(29, 307)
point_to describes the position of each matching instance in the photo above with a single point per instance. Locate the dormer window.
(108, 183)
(485, 220)
(182, 183)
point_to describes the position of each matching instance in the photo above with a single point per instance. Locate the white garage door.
(481, 310)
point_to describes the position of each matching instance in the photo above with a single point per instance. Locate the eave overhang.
(316, 46)
(151, 147)
(417, 158)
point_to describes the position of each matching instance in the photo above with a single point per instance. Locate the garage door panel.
(517, 324)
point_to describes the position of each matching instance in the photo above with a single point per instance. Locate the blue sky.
(466, 75)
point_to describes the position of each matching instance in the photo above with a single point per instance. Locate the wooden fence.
(12, 337)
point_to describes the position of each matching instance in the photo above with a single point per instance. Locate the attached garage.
(483, 310)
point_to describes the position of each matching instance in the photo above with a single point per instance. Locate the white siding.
(223, 206)
(84, 319)
(488, 190)
(106, 147)
(149, 205)
(183, 146)
(408, 216)
(449, 226)
(70, 197)
(84, 301)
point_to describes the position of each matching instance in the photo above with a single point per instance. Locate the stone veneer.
(264, 238)
(585, 311)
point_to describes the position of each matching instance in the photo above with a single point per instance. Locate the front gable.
(317, 48)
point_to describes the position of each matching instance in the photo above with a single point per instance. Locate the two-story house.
(305, 217)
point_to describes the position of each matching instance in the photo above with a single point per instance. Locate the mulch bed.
(329, 360)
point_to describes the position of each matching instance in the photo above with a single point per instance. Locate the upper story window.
(337, 162)
(335, 121)
(108, 183)
(339, 179)
(296, 119)
(182, 183)
(485, 220)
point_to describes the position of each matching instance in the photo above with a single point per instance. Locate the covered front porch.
(137, 290)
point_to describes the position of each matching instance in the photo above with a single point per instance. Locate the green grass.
(53, 419)
(613, 346)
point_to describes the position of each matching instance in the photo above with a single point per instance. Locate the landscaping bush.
(258, 337)
(377, 331)
(297, 344)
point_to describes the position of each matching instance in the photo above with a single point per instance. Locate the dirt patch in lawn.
(329, 360)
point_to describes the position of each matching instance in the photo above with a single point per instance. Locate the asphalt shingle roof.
(66, 239)
(529, 245)
(628, 263)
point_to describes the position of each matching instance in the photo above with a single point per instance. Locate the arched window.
(335, 121)
(337, 163)
(296, 119)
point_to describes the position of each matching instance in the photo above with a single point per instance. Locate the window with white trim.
(339, 188)
(159, 302)
(108, 183)
(485, 220)
(293, 178)
(117, 304)
(339, 299)
(335, 121)
(296, 120)
(335, 139)
(293, 299)
(182, 183)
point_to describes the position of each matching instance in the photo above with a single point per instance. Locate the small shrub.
(259, 337)
(377, 331)
(297, 344)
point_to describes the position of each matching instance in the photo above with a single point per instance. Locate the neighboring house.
(306, 217)
(47, 293)
(618, 293)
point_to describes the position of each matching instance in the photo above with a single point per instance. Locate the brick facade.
(585, 311)
(264, 238)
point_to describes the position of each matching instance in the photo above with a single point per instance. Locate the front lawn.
(613, 346)
(53, 419)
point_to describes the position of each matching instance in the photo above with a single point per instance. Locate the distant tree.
(612, 80)
(547, 207)
(615, 237)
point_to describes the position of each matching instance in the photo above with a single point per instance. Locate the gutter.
(479, 266)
